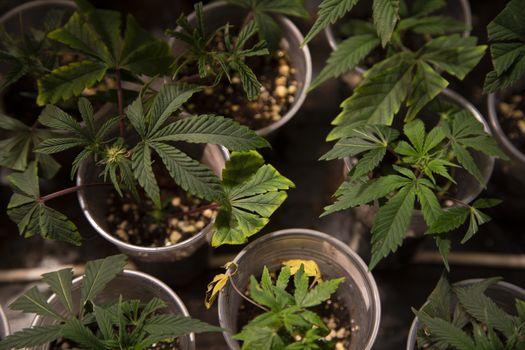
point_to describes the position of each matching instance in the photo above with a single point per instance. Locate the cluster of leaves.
(114, 324)
(421, 167)
(287, 322)
(507, 36)
(477, 321)
(96, 35)
(31, 53)
(262, 12)
(418, 25)
(214, 60)
(248, 194)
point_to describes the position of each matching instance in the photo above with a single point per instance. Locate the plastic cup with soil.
(283, 74)
(353, 312)
(137, 227)
(466, 189)
(507, 119)
(131, 285)
(503, 294)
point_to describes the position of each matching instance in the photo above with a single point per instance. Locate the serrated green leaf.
(446, 332)
(61, 284)
(483, 203)
(29, 337)
(98, 274)
(352, 194)
(425, 7)
(104, 321)
(33, 301)
(67, 81)
(287, 7)
(26, 182)
(141, 163)
(466, 160)
(438, 302)
(432, 25)
(249, 81)
(449, 220)
(367, 163)
(455, 54)
(259, 338)
(189, 174)
(385, 15)
(348, 54)
(391, 224)
(476, 218)
(329, 12)
(241, 166)
(15, 151)
(170, 325)
(74, 330)
(60, 144)
(321, 292)
(427, 84)
(211, 129)
(429, 204)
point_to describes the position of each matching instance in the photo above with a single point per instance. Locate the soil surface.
(279, 86)
(142, 224)
(511, 115)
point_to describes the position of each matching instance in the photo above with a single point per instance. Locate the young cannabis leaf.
(117, 324)
(214, 62)
(253, 191)
(16, 150)
(477, 321)
(262, 12)
(421, 174)
(31, 53)
(288, 322)
(507, 37)
(31, 214)
(96, 35)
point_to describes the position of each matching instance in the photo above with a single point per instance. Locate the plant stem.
(246, 298)
(68, 191)
(459, 201)
(198, 210)
(120, 103)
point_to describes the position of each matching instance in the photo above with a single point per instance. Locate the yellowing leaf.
(218, 283)
(310, 267)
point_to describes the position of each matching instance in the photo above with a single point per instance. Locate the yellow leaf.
(218, 283)
(310, 267)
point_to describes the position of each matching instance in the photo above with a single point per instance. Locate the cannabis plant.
(85, 323)
(507, 37)
(414, 170)
(463, 317)
(285, 319)
(212, 55)
(432, 40)
(150, 129)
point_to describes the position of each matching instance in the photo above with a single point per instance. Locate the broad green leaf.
(352, 194)
(12, 124)
(241, 166)
(367, 163)
(106, 24)
(391, 224)
(68, 81)
(259, 338)
(300, 282)
(104, 321)
(189, 174)
(454, 54)
(446, 332)
(33, 301)
(329, 12)
(347, 56)
(427, 84)
(150, 59)
(211, 129)
(29, 337)
(54, 117)
(99, 273)
(507, 26)
(169, 99)
(429, 204)
(386, 15)
(321, 292)
(465, 159)
(61, 284)
(170, 325)
(74, 330)
(378, 98)
(449, 220)
(483, 203)
(438, 302)
(432, 25)
(26, 182)
(141, 163)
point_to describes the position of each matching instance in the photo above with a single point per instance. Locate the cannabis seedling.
(87, 324)
(286, 321)
(476, 322)
(417, 167)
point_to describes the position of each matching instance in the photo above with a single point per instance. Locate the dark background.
(410, 275)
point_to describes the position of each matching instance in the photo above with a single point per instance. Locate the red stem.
(68, 191)
(120, 102)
